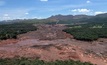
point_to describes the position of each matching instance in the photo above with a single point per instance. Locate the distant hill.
(63, 19)
(19, 21)
(102, 15)
(100, 18)
(69, 19)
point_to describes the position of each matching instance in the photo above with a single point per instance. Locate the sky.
(29, 9)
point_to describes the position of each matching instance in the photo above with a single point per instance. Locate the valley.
(50, 43)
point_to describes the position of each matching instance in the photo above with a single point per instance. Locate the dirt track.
(60, 47)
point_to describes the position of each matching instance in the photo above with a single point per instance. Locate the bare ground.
(45, 44)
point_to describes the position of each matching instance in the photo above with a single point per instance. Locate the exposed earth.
(50, 43)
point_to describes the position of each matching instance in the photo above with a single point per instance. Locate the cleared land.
(50, 43)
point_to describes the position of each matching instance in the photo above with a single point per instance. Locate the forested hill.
(69, 19)
(64, 19)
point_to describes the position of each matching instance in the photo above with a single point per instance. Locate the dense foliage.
(24, 61)
(87, 32)
(12, 30)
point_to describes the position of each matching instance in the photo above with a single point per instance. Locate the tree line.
(8, 31)
(25, 61)
(87, 32)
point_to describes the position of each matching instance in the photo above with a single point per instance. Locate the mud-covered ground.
(49, 43)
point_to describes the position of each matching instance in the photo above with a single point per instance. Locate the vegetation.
(8, 31)
(87, 32)
(25, 61)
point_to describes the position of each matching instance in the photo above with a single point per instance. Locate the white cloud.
(99, 12)
(37, 17)
(81, 10)
(44, 0)
(2, 3)
(10, 14)
(88, 1)
(6, 15)
(74, 10)
(27, 13)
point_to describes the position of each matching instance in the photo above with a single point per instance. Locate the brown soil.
(46, 32)
(8, 41)
(39, 44)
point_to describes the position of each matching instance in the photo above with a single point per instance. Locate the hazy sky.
(16, 9)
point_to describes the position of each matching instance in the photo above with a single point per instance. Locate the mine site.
(50, 43)
(53, 32)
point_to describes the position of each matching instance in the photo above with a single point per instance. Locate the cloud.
(99, 12)
(44, 0)
(81, 10)
(27, 13)
(6, 17)
(2, 3)
(88, 1)
(37, 17)
(10, 14)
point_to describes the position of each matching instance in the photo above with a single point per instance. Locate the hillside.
(70, 19)
(64, 19)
